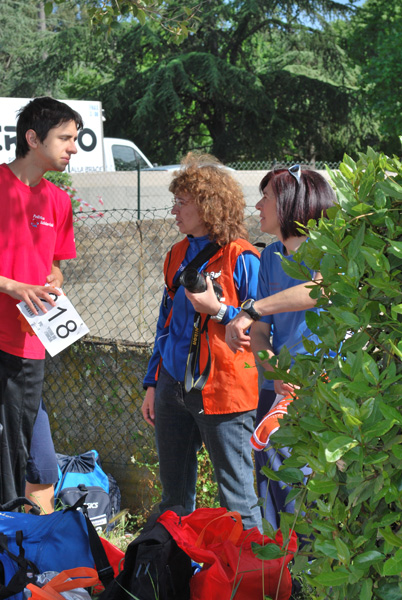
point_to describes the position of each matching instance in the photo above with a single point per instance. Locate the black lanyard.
(193, 354)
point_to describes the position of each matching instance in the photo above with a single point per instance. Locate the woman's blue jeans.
(181, 426)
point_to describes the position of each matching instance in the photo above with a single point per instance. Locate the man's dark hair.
(298, 201)
(41, 115)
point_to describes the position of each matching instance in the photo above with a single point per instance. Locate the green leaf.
(367, 558)
(391, 188)
(48, 8)
(397, 451)
(388, 591)
(371, 430)
(270, 473)
(284, 359)
(345, 288)
(356, 243)
(290, 475)
(321, 487)
(325, 243)
(268, 552)
(389, 412)
(338, 447)
(344, 315)
(296, 271)
(370, 369)
(326, 547)
(393, 566)
(333, 578)
(378, 458)
(366, 590)
(342, 550)
(313, 321)
(355, 342)
(390, 537)
(395, 248)
(141, 16)
(309, 345)
(267, 529)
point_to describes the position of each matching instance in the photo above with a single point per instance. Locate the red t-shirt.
(36, 228)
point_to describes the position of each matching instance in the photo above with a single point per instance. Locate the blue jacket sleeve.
(246, 281)
(164, 310)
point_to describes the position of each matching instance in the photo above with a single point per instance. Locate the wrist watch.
(220, 314)
(248, 307)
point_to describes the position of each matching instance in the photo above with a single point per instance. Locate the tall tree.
(375, 42)
(259, 79)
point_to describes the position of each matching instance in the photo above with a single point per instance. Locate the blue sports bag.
(59, 541)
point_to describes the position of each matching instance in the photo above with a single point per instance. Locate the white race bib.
(57, 329)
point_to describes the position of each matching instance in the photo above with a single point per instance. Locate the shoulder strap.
(102, 564)
(205, 254)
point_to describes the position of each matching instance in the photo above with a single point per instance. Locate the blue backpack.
(82, 475)
(31, 544)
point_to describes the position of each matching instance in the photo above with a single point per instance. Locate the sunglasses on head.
(295, 171)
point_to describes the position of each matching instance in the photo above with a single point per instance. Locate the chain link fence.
(93, 390)
(147, 190)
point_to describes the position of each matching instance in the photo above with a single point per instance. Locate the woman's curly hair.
(216, 193)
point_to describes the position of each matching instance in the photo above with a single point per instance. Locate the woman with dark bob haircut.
(290, 198)
(198, 391)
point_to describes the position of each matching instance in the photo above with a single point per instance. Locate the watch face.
(247, 304)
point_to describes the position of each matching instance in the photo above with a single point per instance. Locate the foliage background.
(252, 79)
(346, 421)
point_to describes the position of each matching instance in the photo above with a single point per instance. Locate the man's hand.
(29, 293)
(148, 406)
(235, 335)
(206, 302)
(55, 278)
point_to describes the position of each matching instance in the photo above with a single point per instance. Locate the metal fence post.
(138, 191)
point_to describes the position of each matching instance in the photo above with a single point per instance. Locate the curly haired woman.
(198, 391)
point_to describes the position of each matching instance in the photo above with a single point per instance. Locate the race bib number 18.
(57, 329)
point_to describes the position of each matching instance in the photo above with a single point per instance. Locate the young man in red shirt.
(36, 233)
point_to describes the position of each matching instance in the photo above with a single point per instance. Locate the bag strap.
(102, 564)
(20, 501)
(69, 579)
(24, 563)
(16, 584)
(234, 534)
(20, 578)
(103, 567)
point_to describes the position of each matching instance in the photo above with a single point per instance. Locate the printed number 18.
(68, 327)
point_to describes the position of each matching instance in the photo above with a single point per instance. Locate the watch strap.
(248, 307)
(220, 314)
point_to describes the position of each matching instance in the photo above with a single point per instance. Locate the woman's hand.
(148, 406)
(206, 302)
(282, 388)
(235, 335)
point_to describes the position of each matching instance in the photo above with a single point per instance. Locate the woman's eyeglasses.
(295, 171)
(179, 202)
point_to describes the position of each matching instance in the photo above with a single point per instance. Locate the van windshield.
(127, 159)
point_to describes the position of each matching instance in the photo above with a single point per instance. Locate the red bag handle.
(234, 535)
(66, 580)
